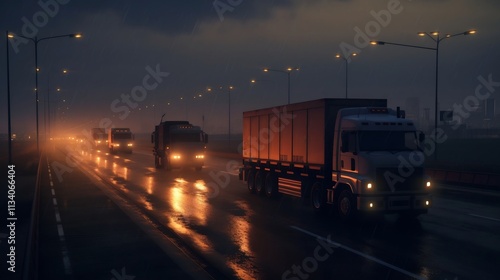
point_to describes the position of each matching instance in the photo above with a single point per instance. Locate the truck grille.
(390, 179)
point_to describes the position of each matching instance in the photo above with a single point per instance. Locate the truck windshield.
(123, 136)
(388, 141)
(187, 137)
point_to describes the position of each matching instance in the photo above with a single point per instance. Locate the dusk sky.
(228, 42)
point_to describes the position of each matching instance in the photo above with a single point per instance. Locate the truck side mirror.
(421, 137)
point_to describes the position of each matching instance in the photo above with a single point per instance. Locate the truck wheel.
(251, 181)
(346, 207)
(271, 185)
(318, 198)
(259, 182)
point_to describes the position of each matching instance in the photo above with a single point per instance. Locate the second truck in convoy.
(178, 144)
(355, 154)
(120, 140)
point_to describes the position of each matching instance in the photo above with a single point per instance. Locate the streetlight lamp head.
(76, 35)
(266, 70)
(289, 69)
(253, 81)
(337, 55)
(421, 34)
(435, 33)
(10, 35)
(354, 54)
(377, 43)
(470, 32)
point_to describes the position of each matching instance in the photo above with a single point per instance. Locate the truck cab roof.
(373, 119)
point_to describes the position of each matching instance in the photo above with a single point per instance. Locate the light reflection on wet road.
(252, 235)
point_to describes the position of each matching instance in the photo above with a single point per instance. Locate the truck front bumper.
(394, 203)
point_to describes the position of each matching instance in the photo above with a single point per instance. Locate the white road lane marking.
(60, 231)
(484, 217)
(360, 253)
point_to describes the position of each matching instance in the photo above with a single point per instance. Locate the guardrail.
(464, 178)
(30, 268)
(490, 180)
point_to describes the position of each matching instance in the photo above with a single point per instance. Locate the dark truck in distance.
(120, 140)
(100, 138)
(178, 144)
(349, 153)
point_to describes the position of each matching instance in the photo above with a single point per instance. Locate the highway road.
(196, 224)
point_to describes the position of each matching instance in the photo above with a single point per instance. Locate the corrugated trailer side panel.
(315, 135)
(285, 138)
(263, 136)
(246, 137)
(254, 134)
(274, 137)
(299, 140)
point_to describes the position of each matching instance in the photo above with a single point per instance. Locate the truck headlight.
(176, 156)
(129, 144)
(428, 184)
(200, 156)
(117, 145)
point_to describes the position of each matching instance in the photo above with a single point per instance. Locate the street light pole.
(9, 139)
(287, 71)
(35, 40)
(346, 59)
(438, 40)
(229, 88)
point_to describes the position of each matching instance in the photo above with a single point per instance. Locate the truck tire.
(260, 177)
(251, 181)
(346, 206)
(271, 185)
(318, 198)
